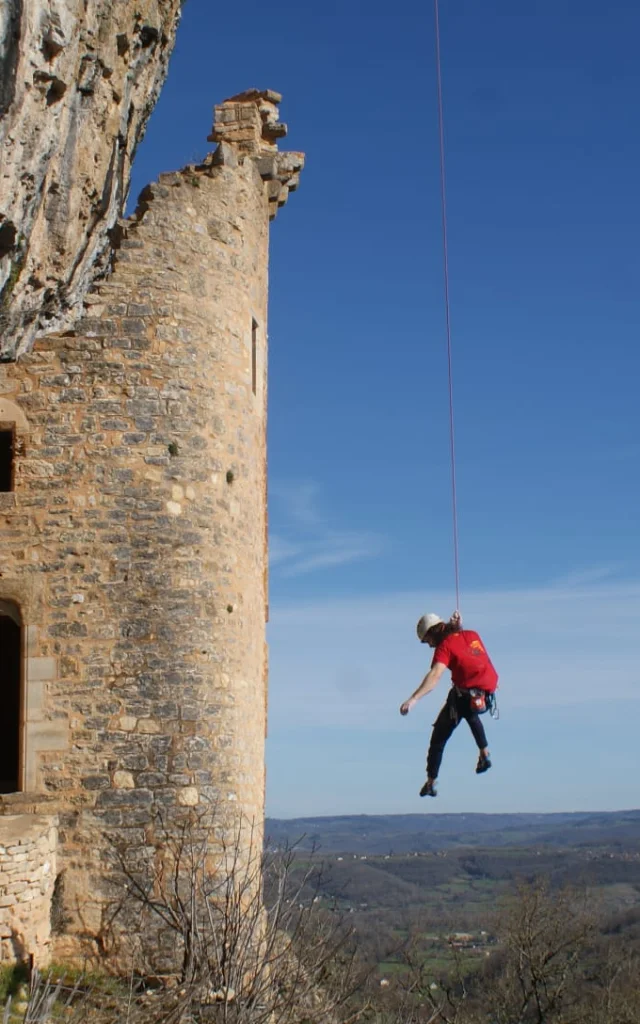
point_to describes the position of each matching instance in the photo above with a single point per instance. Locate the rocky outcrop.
(78, 81)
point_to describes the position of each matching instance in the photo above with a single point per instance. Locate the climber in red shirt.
(474, 681)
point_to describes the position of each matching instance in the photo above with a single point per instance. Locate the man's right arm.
(428, 684)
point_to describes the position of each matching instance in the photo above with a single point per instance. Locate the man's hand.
(406, 707)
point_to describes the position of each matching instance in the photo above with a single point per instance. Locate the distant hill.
(409, 833)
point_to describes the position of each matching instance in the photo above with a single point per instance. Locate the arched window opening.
(11, 696)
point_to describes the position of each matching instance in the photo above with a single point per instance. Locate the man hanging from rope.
(474, 682)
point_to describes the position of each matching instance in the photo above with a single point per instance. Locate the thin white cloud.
(297, 502)
(351, 662)
(592, 575)
(281, 550)
(303, 541)
(333, 550)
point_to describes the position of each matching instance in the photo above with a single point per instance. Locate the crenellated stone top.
(249, 120)
(248, 125)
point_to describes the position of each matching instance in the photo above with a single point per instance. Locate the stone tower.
(133, 561)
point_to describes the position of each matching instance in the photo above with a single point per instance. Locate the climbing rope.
(447, 303)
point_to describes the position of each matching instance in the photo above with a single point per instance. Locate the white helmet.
(426, 623)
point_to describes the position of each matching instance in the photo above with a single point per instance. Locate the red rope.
(445, 252)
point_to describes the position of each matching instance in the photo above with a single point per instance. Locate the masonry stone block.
(41, 669)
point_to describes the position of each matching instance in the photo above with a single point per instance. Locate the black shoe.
(483, 765)
(429, 788)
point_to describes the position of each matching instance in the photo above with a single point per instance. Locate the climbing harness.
(480, 701)
(447, 304)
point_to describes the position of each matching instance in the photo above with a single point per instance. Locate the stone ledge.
(32, 804)
(22, 829)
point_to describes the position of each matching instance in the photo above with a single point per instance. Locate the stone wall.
(28, 845)
(134, 541)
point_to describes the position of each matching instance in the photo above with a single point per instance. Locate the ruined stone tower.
(133, 562)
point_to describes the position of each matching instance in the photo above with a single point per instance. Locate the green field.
(420, 901)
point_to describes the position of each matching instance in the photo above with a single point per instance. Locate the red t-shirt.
(464, 654)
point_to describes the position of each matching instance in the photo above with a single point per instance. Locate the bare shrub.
(545, 937)
(614, 989)
(536, 976)
(236, 933)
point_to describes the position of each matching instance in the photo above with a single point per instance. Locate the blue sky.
(543, 157)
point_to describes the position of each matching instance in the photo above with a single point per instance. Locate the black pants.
(457, 706)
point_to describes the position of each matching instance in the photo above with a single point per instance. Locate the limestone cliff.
(78, 81)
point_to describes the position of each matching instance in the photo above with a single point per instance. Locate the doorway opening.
(11, 697)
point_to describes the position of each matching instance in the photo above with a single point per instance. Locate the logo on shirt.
(476, 647)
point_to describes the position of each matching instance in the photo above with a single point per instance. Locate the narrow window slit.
(254, 357)
(7, 450)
